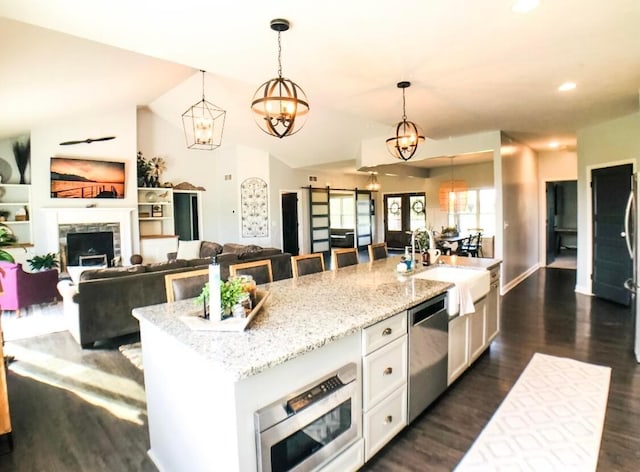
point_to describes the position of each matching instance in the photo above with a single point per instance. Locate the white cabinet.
(470, 335)
(15, 210)
(493, 306)
(477, 329)
(384, 381)
(458, 347)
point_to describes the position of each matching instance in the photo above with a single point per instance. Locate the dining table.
(457, 239)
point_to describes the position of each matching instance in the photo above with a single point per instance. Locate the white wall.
(45, 141)
(553, 166)
(520, 212)
(607, 144)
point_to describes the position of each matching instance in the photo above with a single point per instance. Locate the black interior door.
(551, 215)
(611, 262)
(290, 243)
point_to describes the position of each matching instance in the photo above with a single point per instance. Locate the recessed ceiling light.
(567, 86)
(554, 144)
(525, 6)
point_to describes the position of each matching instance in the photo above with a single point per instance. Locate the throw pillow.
(251, 250)
(189, 249)
(210, 249)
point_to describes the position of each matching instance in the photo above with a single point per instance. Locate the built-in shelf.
(15, 199)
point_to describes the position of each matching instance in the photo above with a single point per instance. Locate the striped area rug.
(551, 420)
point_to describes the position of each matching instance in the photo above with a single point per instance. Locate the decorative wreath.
(418, 206)
(394, 208)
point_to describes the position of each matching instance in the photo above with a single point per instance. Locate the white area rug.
(133, 352)
(35, 320)
(551, 420)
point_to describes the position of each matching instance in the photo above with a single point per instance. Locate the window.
(478, 211)
(342, 208)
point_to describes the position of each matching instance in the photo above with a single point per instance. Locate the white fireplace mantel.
(64, 216)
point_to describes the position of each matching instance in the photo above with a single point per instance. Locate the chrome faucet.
(431, 241)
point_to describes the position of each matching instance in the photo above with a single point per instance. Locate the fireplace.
(86, 249)
(89, 220)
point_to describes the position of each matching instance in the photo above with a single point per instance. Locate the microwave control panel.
(314, 394)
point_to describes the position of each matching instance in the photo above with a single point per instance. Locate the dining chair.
(307, 264)
(261, 270)
(472, 246)
(344, 257)
(377, 251)
(183, 285)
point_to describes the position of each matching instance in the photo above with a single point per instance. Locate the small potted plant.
(46, 262)
(230, 292)
(7, 238)
(4, 214)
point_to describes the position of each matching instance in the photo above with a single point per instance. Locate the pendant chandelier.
(203, 124)
(404, 144)
(452, 194)
(372, 183)
(279, 105)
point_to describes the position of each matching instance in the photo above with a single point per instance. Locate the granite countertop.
(300, 315)
(469, 262)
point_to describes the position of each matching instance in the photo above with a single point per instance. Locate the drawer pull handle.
(387, 331)
(388, 419)
(387, 371)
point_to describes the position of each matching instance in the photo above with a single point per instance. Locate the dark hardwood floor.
(542, 314)
(83, 410)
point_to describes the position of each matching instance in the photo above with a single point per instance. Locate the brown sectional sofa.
(232, 253)
(99, 306)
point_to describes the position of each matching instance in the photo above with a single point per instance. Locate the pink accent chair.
(22, 289)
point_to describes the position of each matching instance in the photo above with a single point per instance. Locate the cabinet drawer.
(494, 276)
(383, 332)
(383, 371)
(384, 421)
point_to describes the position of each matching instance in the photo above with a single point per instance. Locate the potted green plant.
(45, 262)
(230, 292)
(7, 238)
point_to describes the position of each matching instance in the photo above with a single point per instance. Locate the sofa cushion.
(111, 272)
(251, 251)
(233, 248)
(201, 261)
(263, 252)
(159, 266)
(189, 249)
(209, 249)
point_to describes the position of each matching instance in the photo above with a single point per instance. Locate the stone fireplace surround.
(61, 221)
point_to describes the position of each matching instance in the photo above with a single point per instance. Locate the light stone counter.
(299, 316)
(481, 263)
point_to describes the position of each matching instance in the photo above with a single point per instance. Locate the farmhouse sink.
(470, 283)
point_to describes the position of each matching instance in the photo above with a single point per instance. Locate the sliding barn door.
(363, 218)
(319, 217)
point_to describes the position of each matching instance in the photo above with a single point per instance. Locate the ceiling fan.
(87, 141)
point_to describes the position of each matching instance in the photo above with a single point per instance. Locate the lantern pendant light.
(203, 124)
(404, 144)
(279, 105)
(372, 183)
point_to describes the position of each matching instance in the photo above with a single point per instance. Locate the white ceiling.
(474, 66)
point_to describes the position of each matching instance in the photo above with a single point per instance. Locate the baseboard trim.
(513, 283)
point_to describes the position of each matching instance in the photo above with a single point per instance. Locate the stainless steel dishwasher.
(428, 353)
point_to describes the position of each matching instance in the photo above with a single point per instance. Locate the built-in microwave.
(310, 426)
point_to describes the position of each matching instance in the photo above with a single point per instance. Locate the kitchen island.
(203, 387)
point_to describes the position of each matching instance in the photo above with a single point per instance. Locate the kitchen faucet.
(430, 243)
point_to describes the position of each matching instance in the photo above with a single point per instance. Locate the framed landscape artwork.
(86, 178)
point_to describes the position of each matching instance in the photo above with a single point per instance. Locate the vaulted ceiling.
(474, 66)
